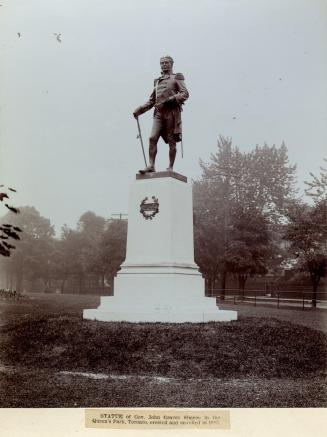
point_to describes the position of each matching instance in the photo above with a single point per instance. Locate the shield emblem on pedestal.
(149, 208)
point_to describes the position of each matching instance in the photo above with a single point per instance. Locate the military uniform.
(167, 98)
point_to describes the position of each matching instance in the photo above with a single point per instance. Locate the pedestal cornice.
(161, 174)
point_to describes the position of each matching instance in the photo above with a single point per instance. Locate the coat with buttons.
(168, 95)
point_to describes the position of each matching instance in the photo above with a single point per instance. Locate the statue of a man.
(167, 98)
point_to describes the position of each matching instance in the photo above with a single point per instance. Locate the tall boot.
(172, 156)
(152, 158)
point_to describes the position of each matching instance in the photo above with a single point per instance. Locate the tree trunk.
(62, 287)
(314, 292)
(241, 283)
(8, 279)
(206, 285)
(102, 281)
(212, 286)
(19, 280)
(315, 278)
(223, 277)
(80, 284)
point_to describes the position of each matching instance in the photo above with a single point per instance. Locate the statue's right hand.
(137, 112)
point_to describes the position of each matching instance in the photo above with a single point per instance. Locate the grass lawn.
(310, 317)
(51, 357)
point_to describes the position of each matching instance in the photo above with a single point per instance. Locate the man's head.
(166, 64)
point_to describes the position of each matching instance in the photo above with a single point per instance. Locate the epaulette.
(179, 76)
(155, 81)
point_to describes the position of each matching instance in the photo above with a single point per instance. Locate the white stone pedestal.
(159, 281)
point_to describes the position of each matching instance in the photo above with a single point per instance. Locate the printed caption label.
(155, 419)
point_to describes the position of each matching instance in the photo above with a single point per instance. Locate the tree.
(112, 250)
(318, 186)
(214, 196)
(269, 181)
(92, 253)
(67, 257)
(31, 260)
(77, 251)
(249, 249)
(306, 233)
(240, 195)
(90, 228)
(8, 231)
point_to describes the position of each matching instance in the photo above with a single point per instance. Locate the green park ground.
(51, 357)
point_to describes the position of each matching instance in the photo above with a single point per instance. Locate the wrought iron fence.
(279, 299)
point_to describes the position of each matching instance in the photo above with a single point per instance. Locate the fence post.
(302, 301)
(278, 299)
(255, 298)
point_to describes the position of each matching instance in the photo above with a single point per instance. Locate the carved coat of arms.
(149, 208)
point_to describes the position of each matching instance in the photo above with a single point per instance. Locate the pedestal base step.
(162, 317)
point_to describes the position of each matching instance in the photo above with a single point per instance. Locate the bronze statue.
(167, 98)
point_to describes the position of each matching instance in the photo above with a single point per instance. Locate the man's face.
(165, 65)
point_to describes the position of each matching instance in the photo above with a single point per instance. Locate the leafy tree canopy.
(238, 202)
(8, 232)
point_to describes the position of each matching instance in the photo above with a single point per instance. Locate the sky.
(73, 71)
